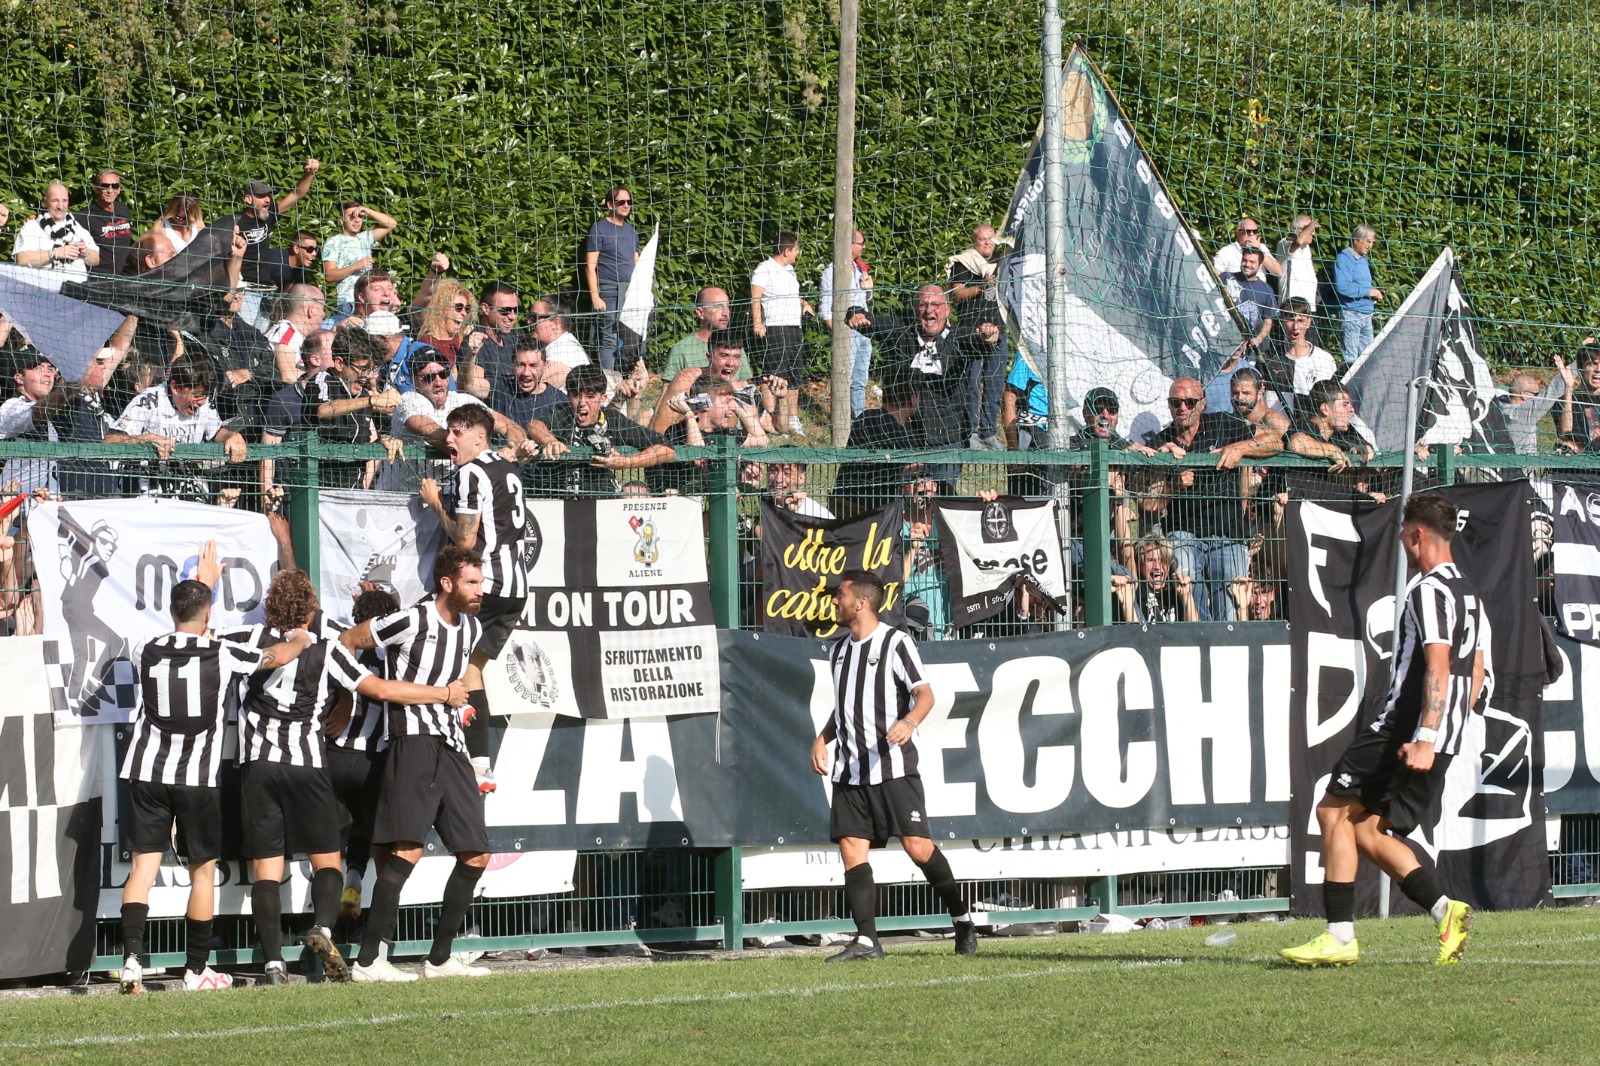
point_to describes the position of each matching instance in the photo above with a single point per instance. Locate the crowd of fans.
(316, 336)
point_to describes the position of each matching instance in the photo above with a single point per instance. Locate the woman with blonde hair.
(181, 220)
(448, 317)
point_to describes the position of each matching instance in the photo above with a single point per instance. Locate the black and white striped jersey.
(282, 711)
(1442, 607)
(368, 726)
(491, 488)
(426, 650)
(184, 680)
(873, 680)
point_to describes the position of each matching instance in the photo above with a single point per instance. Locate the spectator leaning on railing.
(586, 423)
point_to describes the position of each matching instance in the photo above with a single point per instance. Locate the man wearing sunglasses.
(423, 414)
(1205, 516)
(106, 219)
(494, 335)
(1247, 234)
(609, 252)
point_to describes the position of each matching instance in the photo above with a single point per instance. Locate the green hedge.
(490, 129)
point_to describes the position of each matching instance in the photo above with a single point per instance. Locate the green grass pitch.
(1526, 993)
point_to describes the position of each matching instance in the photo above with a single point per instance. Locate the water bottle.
(1222, 938)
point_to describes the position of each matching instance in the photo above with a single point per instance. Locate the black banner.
(1083, 731)
(1489, 842)
(1572, 732)
(802, 557)
(1576, 559)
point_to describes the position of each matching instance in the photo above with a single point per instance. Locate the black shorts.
(196, 808)
(356, 776)
(1371, 771)
(784, 355)
(895, 808)
(498, 615)
(428, 784)
(286, 810)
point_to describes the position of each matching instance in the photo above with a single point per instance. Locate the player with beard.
(881, 695)
(428, 782)
(485, 514)
(1391, 778)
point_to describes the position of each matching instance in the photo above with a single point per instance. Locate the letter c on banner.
(1000, 745)
(1101, 732)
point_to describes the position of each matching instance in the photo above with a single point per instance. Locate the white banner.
(618, 622)
(990, 549)
(384, 537)
(641, 296)
(106, 568)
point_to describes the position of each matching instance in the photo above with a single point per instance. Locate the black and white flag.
(1143, 304)
(1431, 336)
(1576, 559)
(990, 550)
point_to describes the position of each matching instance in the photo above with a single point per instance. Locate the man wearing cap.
(260, 215)
(106, 219)
(27, 416)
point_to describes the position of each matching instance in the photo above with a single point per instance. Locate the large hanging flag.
(1143, 304)
(1431, 336)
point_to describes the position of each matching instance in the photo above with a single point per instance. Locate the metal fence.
(1114, 502)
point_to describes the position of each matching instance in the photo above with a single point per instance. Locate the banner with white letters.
(993, 549)
(106, 568)
(1576, 559)
(618, 619)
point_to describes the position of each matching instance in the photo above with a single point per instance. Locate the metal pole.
(1401, 578)
(844, 171)
(1055, 249)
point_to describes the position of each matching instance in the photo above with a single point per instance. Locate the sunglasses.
(430, 376)
(307, 247)
(504, 310)
(462, 307)
(1249, 231)
(108, 184)
(621, 203)
(1183, 401)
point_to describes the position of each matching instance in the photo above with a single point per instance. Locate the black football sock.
(1339, 901)
(862, 895)
(197, 935)
(937, 871)
(453, 908)
(1422, 888)
(477, 731)
(357, 853)
(266, 906)
(385, 909)
(135, 916)
(326, 886)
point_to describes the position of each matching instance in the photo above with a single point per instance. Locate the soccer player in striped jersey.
(358, 739)
(288, 803)
(428, 782)
(881, 695)
(171, 767)
(1391, 777)
(485, 514)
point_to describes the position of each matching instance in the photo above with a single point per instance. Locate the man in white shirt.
(1299, 270)
(422, 416)
(1247, 234)
(860, 295)
(304, 308)
(55, 240)
(776, 307)
(177, 411)
(562, 351)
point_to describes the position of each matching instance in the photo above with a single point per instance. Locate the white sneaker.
(485, 778)
(994, 443)
(381, 970)
(132, 979)
(453, 967)
(207, 980)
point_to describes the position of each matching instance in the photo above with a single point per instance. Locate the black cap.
(1101, 397)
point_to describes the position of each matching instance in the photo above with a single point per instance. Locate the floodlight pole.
(844, 177)
(1055, 249)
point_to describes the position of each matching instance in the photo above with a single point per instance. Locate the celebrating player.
(1393, 772)
(428, 781)
(880, 696)
(184, 678)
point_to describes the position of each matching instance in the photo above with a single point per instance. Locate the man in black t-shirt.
(584, 423)
(262, 264)
(106, 219)
(1206, 508)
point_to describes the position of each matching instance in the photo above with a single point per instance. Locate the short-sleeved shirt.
(566, 350)
(780, 295)
(523, 407)
(491, 488)
(44, 234)
(283, 334)
(1290, 377)
(609, 430)
(1255, 299)
(873, 682)
(1035, 413)
(343, 249)
(1212, 506)
(183, 684)
(424, 649)
(692, 351)
(618, 247)
(257, 232)
(152, 412)
(1442, 607)
(112, 231)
